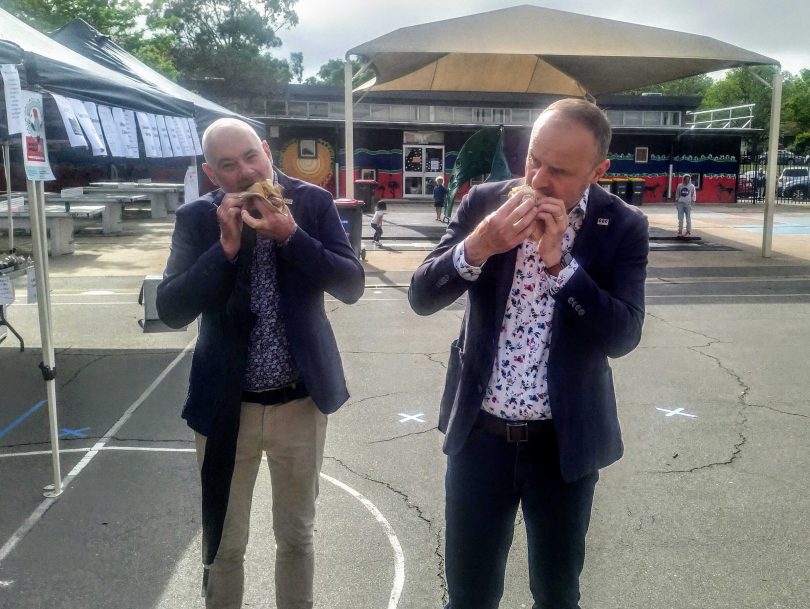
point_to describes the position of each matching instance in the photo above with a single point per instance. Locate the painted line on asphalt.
(393, 540)
(773, 295)
(22, 417)
(43, 507)
(399, 556)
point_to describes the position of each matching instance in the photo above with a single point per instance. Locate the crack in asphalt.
(741, 418)
(413, 433)
(411, 506)
(117, 438)
(372, 397)
(82, 369)
(442, 363)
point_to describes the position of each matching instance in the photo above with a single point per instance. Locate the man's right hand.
(229, 217)
(501, 230)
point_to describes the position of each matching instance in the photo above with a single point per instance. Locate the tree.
(796, 107)
(297, 66)
(227, 41)
(332, 73)
(115, 18)
(691, 85)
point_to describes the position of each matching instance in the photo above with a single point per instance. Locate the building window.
(500, 115)
(444, 114)
(482, 115)
(632, 117)
(652, 119)
(319, 109)
(521, 116)
(642, 154)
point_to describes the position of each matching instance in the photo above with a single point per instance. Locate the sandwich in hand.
(268, 194)
(527, 192)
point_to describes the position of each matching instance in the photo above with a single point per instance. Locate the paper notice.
(6, 291)
(96, 134)
(31, 278)
(70, 120)
(14, 102)
(195, 137)
(149, 137)
(112, 132)
(165, 137)
(191, 189)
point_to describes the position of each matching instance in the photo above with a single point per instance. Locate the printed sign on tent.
(71, 121)
(31, 280)
(93, 136)
(165, 138)
(174, 137)
(6, 291)
(195, 137)
(188, 143)
(95, 121)
(148, 136)
(34, 144)
(14, 102)
(126, 124)
(111, 132)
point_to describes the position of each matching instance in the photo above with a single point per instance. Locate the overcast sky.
(775, 28)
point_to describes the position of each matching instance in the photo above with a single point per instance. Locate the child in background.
(377, 221)
(439, 193)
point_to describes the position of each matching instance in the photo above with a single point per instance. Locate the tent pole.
(348, 128)
(770, 171)
(7, 169)
(39, 240)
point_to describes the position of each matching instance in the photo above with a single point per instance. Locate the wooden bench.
(58, 223)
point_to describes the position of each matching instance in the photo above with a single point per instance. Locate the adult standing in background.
(266, 370)
(554, 283)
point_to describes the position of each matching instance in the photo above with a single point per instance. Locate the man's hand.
(552, 220)
(229, 217)
(501, 230)
(269, 223)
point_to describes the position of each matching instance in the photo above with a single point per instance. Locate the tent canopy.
(87, 41)
(530, 49)
(59, 70)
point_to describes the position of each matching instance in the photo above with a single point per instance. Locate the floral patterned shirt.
(518, 385)
(270, 364)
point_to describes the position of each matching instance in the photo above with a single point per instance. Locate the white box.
(148, 297)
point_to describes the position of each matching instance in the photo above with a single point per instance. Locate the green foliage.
(796, 112)
(332, 73)
(228, 42)
(297, 66)
(691, 85)
(113, 17)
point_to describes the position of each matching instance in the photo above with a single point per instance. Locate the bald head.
(222, 129)
(580, 112)
(235, 157)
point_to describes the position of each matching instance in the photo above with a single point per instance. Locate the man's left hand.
(272, 224)
(552, 218)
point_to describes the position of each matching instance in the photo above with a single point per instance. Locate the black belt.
(282, 395)
(514, 431)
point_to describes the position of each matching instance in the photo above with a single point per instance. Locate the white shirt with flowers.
(518, 385)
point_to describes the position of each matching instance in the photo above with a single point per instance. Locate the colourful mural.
(318, 170)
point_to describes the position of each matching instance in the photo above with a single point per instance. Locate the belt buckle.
(517, 432)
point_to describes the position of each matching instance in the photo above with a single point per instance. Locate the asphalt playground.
(709, 508)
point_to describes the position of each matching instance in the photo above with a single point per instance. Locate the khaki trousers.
(292, 435)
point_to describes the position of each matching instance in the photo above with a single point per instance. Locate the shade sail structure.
(530, 49)
(58, 69)
(84, 39)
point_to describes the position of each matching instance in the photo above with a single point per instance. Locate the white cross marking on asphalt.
(678, 411)
(411, 417)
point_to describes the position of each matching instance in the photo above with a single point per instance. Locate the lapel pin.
(602, 221)
(288, 201)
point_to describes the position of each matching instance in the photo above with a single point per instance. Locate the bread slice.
(268, 194)
(526, 192)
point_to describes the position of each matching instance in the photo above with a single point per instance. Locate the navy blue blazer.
(200, 281)
(598, 314)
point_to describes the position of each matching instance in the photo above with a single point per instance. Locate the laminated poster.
(95, 120)
(71, 121)
(195, 137)
(91, 132)
(14, 102)
(111, 132)
(151, 142)
(34, 143)
(163, 132)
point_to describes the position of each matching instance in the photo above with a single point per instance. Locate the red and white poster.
(34, 144)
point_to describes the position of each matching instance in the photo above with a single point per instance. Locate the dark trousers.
(377, 232)
(485, 483)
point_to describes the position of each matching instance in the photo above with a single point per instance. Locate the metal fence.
(792, 186)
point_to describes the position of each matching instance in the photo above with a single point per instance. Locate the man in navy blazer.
(554, 278)
(266, 370)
